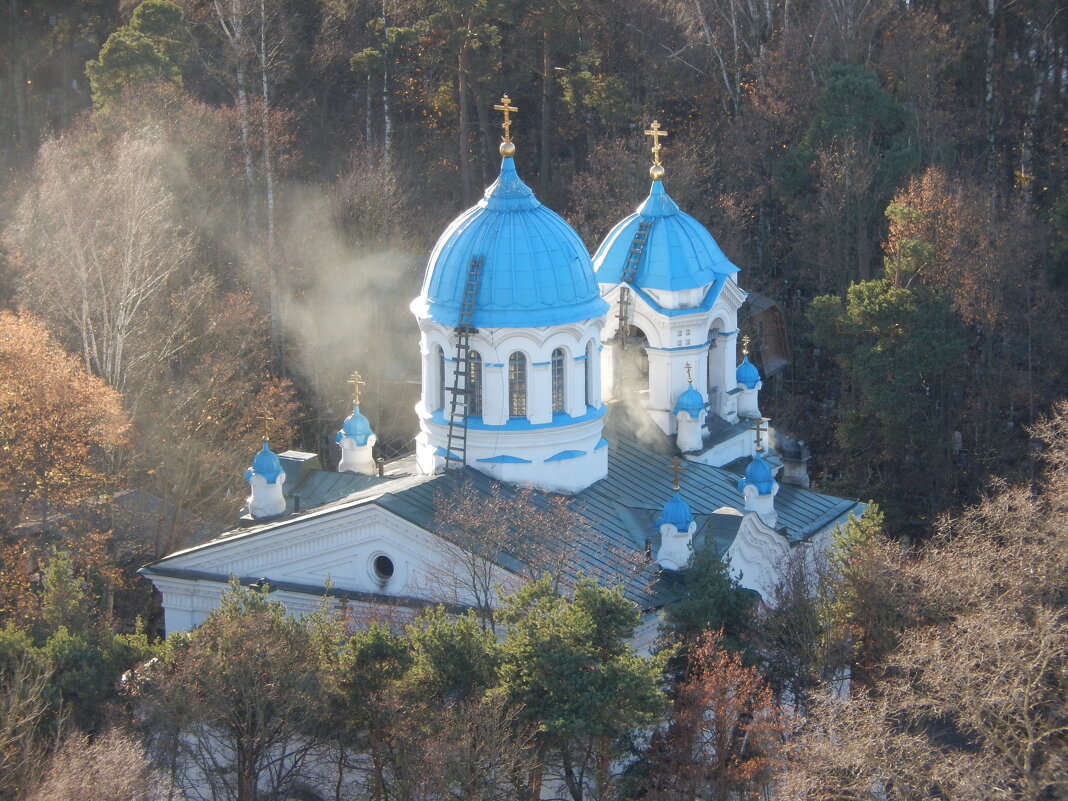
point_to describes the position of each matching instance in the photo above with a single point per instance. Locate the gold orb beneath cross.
(507, 149)
(656, 172)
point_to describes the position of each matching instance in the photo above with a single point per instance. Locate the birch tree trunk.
(387, 119)
(274, 294)
(464, 141)
(545, 154)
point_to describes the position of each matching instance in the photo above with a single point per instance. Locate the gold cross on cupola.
(267, 419)
(676, 469)
(656, 132)
(689, 372)
(759, 425)
(506, 106)
(357, 382)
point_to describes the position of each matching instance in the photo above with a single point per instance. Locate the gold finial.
(357, 381)
(265, 416)
(689, 372)
(758, 425)
(745, 345)
(507, 148)
(656, 172)
(676, 468)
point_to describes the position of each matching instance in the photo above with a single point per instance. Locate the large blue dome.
(536, 270)
(679, 252)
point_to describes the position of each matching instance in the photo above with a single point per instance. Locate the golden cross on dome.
(759, 426)
(745, 345)
(506, 106)
(676, 468)
(656, 132)
(357, 381)
(265, 416)
(689, 372)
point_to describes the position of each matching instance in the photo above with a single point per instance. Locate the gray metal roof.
(620, 510)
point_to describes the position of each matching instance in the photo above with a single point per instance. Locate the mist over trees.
(209, 211)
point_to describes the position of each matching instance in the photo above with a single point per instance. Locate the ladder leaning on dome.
(630, 268)
(456, 442)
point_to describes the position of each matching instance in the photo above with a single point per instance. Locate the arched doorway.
(720, 367)
(632, 371)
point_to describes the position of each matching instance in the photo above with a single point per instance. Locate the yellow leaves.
(59, 421)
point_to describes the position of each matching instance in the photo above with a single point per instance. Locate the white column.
(596, 374)
(539, 392)
(659, 403)
(575, 386)
(494, 393)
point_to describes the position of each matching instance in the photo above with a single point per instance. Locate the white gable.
(301, 557)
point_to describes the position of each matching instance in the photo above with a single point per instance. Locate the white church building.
(540, 368)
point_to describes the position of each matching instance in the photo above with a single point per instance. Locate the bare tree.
(971, 705)
(99, 241)
(520, 534)
(24, 712)
(112, 767)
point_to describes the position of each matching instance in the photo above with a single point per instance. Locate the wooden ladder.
(634, 255)
(456, 441)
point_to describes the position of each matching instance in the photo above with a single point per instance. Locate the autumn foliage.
(725, 735)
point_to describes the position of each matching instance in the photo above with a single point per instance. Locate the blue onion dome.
(690, 402)
(266, 464)
(676, 512)
(679, 252)
(356, 427)
(536, 269)
(747, 373)
(759, 474)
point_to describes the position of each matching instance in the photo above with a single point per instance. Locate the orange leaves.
(58, 423)
(725, 734)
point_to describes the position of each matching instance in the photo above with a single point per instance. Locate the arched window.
(441, 378)
(559, 401)
(590, 351)
(517, 385)
(474, 384)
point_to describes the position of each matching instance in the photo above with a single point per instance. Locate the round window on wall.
(383, 567)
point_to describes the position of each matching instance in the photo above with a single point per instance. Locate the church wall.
(340, 548)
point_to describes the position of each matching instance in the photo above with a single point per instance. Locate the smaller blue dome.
(759, 474)
(266, 464)
(679, 252)
(747, 373)
(356, 427)
(690, 402)
(676, 512)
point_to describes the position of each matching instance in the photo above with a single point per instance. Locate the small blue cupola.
(759, 475)
(691, 402)
(356, 427)
(265, 479)
(676, 512)
(536, 270)
(759, 488)
(747, 373)
(679, 252)
(676, 526)
(265, 464)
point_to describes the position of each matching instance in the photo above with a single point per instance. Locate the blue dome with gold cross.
(676, 251)
(535, 269)
(265, 464)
